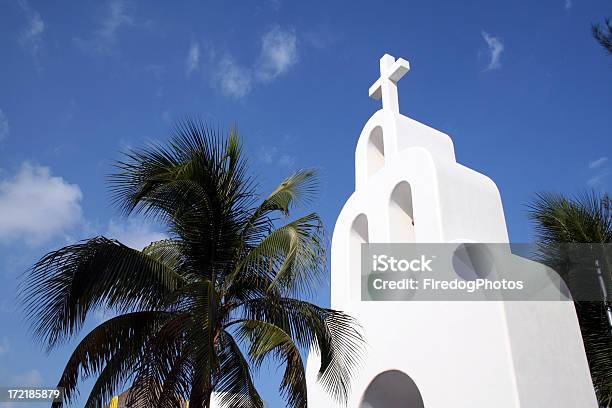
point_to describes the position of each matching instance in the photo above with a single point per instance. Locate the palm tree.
(199, 311)
(582, 220)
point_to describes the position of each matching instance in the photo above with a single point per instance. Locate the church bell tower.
(409, 188)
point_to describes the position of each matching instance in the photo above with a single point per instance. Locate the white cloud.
(275, 4)
(193, 58)
(593, 164)
(267, 154)
(34, 30)
(115, 18)
(4, 126)
(597, 180)
(233, 80)
(104, 37)
(134, 233)
(320, 37)
(36, 206)
(270, 155)
(31, 37)
(278, 54)
(4, 345)
(496, 47)
(598, 165)
(568, 4)
(286, 160)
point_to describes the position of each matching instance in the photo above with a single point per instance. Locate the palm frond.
(126, 333)
(114, 374)
(233, 383)
(267, 339)
(297, 189)
(162, 375)
(334, 335)
(583, 219)
(65, 285)
(167, 251)
(604, 38)
(294, 254)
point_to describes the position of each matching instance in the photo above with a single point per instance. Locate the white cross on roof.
(385, 87)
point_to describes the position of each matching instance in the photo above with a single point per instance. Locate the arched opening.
(392, 389)
(359, 235)
(401, 214)
(473, 261)
(376, 151)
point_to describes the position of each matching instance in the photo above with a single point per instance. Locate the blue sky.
(521, 87)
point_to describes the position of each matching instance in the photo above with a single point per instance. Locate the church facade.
(439, 354)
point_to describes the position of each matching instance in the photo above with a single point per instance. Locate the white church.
(440, 354)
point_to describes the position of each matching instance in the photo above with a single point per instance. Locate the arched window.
(359, 235)
(392, 389)
(376, 151)
(401, 214)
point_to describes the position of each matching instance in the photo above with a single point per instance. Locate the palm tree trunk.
(201, 390)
